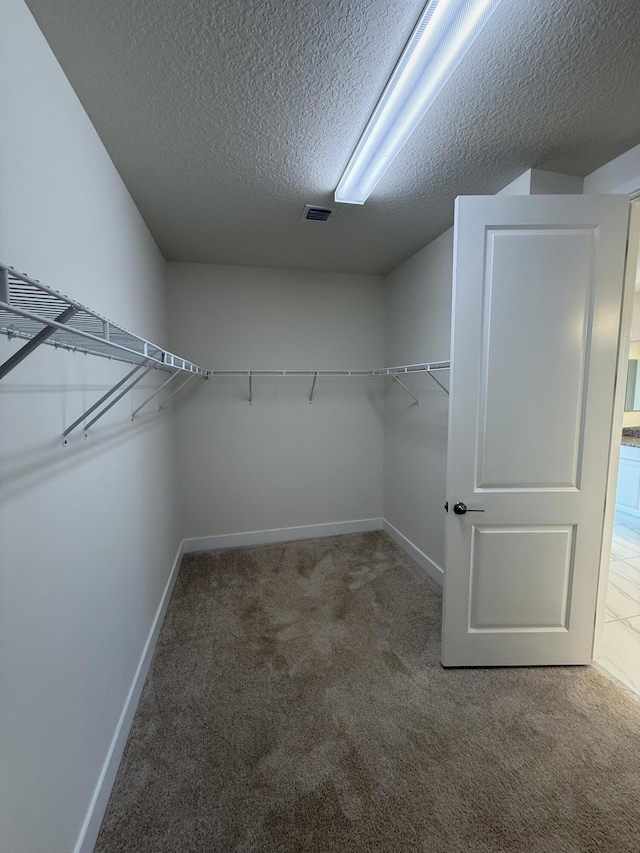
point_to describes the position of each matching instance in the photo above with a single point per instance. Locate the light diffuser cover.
(444, 32)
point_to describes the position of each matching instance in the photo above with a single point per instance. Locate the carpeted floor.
(296, 703)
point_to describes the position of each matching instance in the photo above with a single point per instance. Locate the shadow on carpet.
(296, 703)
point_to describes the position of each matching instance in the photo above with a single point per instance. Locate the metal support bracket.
(155, 394)
(435, 379)
(393, 376)
(99, 402)
(180, 386)
(119, 397)
(313, 387)
(35, 342)
(431, 371)
(250, 388)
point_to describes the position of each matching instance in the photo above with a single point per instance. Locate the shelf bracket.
(35, 341)
(250, 388)
(179, 388)
(435, 379)
(394, 377)
(313, 387)
(155, 394)
(119, 397)
(99, 402)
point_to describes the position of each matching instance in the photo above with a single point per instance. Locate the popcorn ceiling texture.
(225, 118)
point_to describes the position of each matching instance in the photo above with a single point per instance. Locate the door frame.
(626, 317)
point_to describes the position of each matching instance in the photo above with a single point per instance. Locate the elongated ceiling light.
(445, 31)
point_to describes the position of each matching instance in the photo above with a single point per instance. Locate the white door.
(536, 314)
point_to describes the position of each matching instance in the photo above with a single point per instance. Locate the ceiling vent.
(313, 213)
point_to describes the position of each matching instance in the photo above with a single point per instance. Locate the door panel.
(520, 578)
(538, 446)
(537, 299)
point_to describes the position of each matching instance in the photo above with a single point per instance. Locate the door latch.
(461, 509)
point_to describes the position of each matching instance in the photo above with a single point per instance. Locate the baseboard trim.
(95, 813)
(93, 820)
(281, 534)
(432, 569)
(615, 680)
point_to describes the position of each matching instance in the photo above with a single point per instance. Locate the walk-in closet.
(311, 374)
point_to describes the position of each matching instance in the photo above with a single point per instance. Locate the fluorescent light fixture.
(445, 31)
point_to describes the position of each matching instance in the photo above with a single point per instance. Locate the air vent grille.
(314, 213)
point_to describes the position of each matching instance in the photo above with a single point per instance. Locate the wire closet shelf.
(383, 371)
(430, 368)
(42, 315)
(31, 310)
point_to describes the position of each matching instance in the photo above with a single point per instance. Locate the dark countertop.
(631, 437)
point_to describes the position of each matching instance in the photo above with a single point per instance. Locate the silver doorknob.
(461, 508)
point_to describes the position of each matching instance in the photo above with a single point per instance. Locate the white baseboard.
(613, 678)
(281, 534)
(95, 813)
(93, 820)
(432, 569)
(313, 531)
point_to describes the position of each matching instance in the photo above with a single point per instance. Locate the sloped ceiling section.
(225, 118)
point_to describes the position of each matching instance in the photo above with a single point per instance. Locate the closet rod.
(35, 342)
(427, 367)
(251, 373)
(42, 315)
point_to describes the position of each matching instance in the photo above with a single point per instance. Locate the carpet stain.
(296, 703)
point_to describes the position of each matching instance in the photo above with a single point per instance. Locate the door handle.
(461, 509)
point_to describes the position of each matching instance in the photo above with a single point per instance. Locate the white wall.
(418, 309)
(280, 462)
(621, 175)
(540, 182)
(419, 329)
(87, 533)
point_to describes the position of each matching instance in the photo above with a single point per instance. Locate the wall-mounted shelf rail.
(31, 310)
(429, 368)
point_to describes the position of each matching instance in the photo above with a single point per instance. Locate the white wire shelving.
(29, 308)
(429, 368)
(42, 315)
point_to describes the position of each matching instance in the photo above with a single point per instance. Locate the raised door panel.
(538, 283)
(521, 578)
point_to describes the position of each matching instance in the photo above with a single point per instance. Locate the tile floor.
(620, 651)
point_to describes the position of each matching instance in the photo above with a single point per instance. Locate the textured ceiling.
(225, 118)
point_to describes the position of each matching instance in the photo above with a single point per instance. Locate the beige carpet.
(297, 703)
